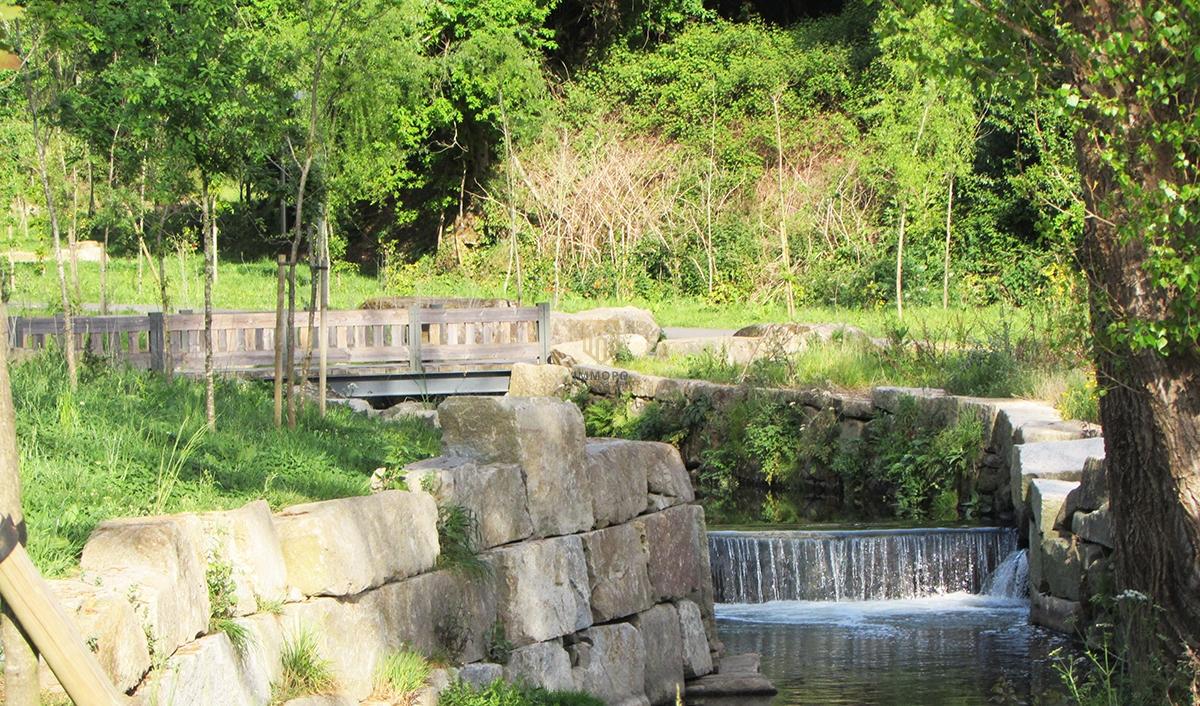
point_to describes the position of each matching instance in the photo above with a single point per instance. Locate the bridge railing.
(415, 340)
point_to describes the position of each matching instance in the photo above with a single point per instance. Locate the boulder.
(1057, 460)
(737, 679)
(541, 435)
(822, 333)
(480, 674)
(1046, 500)
(354, 404)
(414, 411)
(158, 564)
(678, 554)
(608, 662)
(600, 350)
(1093, 487)
(602, 322)
(1095, 527)
(494, 493)
(1054, 613)
(932, 403)
(205, 671)
(697, 659)
(1061, 568)
(616, 472)
(529, 380)
(734, 351)
(617, 572)
(260, 659)
(108, 625)
(245, 539)
(349, 634)
(663, 640)
(544, 664)
(345, 546)
(543, 589)
(447, 612)
(665, 472)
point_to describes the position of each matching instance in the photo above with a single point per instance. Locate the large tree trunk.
(1150, 412)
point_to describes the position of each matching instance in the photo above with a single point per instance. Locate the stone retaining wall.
(596, 577)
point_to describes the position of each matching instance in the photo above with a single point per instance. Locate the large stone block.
(663, 640)
(543, 589)
(1046, 500)
(665, 472)
(158, 563)
(1057, 460)
(443, 612)
(697, 658)
(616, 471)
(599, 350)
(544, 664)
(205, 671)
(604, 321)
(528, 380)
(1092, 493)
(245, 539)
(495, 493)
(1061, 568)
(617, 572)
(677, 546)
(342, 547)
(543, 436)
(260, 659)
(608, 662)
(1055, 613)
(350, 634)
(107, 623)
(1096, 526)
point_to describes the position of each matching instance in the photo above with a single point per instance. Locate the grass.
(304, 672)
(400, 675)
(501, 693)
(129, 443)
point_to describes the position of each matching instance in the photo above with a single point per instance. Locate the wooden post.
(30, 600)
(281, 275)
(157, 341)
(414, 339)
(544, 330)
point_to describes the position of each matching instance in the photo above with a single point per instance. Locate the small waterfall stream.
(858, 565)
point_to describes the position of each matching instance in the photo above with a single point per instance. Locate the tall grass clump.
(303, 671)
(130, 443)
(400, 676)
(502, 693)
(458, 541)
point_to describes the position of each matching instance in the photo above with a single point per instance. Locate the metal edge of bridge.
(480, 382)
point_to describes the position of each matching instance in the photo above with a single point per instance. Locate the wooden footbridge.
(416, 351)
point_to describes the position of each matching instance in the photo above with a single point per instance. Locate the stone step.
(1046, 500)
(738, 676)
(1058, 460)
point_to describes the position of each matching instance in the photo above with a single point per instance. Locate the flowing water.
(931, 617)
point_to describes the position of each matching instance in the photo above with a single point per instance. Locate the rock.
(738, 678)
(260, 659)
(245, 539)
(600, 350)
(343, 547)
(851, 430)
(349, 634)
(1058, 460)
(678, 554)
(663, 639)
(1096, 527)
(322, 700)
(665, 472)
(108, 625)
(539, 380)
(823, 333)
(617, 572)
(697, 659)
(1049, 430)
(608, 662)
(616, 471)
(544, 664)
(543, 436)
(158, 564)
(414, 411)
(933, 404)
(602, 322)
(734, 351)
(480, 674)
(1054, 613)
(543, 589)
(203, 672)
(495, 493)
(1093, 488)
(1061, 568)
(447, 612)
(1046, 500)
(354, 404)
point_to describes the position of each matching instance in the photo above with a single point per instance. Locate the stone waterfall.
(854, 565)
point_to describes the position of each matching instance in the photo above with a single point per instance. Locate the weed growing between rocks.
(458, 541)
(502, 693)
(304, 672)
(221, 599)
(400, 676)
(497, 647)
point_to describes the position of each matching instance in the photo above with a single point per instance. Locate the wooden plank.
(440, 316)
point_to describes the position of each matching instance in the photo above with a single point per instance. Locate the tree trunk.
(210, 262)
(20, 660)
(73, 232)
(164, 300)
(783, 235)
(290, 351)
(946, 259)
(900, 263)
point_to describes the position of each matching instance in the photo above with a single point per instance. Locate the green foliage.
(501, 693)
(221, 589)
(129, 433)
(303, 670)
(400, 675)
(1080, 398)
(497, 647)
(458, 539)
